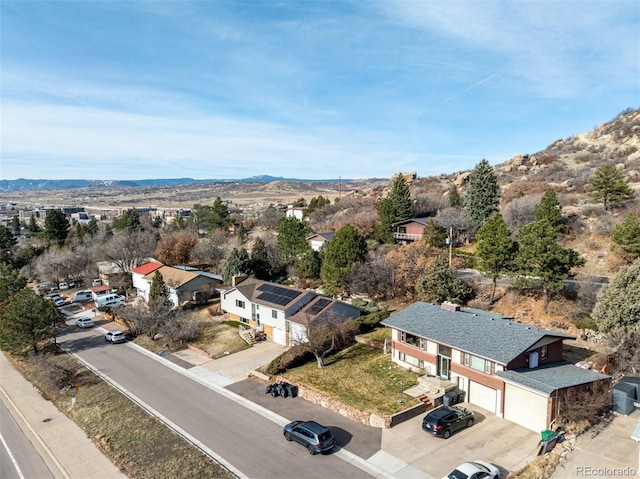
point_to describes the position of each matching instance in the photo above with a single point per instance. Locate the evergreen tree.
(454, 197)
(549, 209)
(346, 248)
(308, 265)
(438, 285)
(434, 234)
(618, 303)
(483, 193)
(33, 227)
(10, 282)
(291, 240)
(260, 259)
(92, 227)
(56, 226)
(7, 241)
(26, 320)
(219, 215)
(317, 203)
(15, 225)
(627, 236)
(237, 263)
(541, 259)
(496, 250)
(159, 292)
(609, 187)
(386, 217)
(130, 220)
(400, 196)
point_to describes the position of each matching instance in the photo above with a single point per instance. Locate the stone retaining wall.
(368, 419)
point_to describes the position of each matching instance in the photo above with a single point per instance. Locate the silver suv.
(315, 437)
(84, 322)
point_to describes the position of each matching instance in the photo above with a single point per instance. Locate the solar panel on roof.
(318, 306)
(278, 295)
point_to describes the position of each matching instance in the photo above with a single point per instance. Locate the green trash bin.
(547, 434)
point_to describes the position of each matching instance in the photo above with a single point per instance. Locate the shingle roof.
(300, 308)
(550, 377)
(421, 220)
(478, 332)
(172, 276)
(326, 236)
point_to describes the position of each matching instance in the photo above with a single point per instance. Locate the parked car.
(474, 470)
(96, 282)
(57, 299)
(45, 287)
(445, 420)
(114, 337)
(84, 323)
(63, 286)
(315, 437)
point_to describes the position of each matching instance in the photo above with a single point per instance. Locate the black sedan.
(445, 420)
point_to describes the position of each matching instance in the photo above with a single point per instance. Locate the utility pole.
(450, 244)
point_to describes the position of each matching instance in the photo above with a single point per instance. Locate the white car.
(114, 337)
(84, 323)
(474, 470)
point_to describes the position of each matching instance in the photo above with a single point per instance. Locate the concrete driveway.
(493, 439)
(611, 453)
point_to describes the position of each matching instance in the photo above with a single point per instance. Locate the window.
(401, 356)
(239, 304)
(274, 314)
(543, 352)
(411, 339)
(477, 363)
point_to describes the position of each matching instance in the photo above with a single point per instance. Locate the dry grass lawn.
(360, 376)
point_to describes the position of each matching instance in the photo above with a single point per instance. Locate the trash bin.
(292, 390)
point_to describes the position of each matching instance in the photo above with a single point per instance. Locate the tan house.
(408, 231)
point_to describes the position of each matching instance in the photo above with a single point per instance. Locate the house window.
(466, 358)
(543, 353)
(239, 304)
(423, 343)
(274, 314)
(487, 367)
(477, 363)
(401, 356)
(411, 339)
(244, 320)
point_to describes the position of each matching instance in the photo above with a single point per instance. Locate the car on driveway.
(445, 420)
(315, 437)
(474, 470)
(114, 337)
(84, 323)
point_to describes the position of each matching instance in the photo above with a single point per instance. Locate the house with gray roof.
(318, 240)
(280, 312)
(511, 369)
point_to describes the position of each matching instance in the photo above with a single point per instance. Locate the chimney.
(450, 306)
(236, 280)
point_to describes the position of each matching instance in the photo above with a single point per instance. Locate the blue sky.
(307, 89)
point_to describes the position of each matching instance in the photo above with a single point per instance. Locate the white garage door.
(279, 336)
(525, 408)
(482, 396)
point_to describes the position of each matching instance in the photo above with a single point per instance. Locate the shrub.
(294, 356)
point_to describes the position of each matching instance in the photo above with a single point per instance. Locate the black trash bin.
(292, 390)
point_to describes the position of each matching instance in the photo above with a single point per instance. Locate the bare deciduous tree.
(322, 336)
(129, 248)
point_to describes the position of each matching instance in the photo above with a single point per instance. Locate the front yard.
(360, 376)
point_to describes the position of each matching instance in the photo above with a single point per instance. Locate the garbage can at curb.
(292, 389)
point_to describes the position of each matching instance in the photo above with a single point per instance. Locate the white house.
(281, 312)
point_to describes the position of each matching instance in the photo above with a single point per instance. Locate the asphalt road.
(250, 444)
(19, 458)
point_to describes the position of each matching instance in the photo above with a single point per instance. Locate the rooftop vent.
(450, 306)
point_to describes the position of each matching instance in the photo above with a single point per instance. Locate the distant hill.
(28, 184)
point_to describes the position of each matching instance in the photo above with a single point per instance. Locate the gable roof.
(325, 236)
(422, 220)
(485, 334)
(173, 277)
(147, 268)
(298, 305)
(551, 377)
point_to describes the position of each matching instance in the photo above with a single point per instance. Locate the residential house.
(138, 281)
(294, 212)
(511, 369)
(184, 285)
(317, 240)
(112, 274)
(281, 312)
(408, 231)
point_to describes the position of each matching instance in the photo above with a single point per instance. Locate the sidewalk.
(68, 452)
